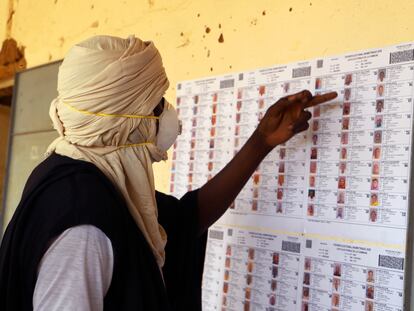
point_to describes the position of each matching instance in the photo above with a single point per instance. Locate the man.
(381, 75)
(347, 94)
(342, 182)
(90, 232)
(376, 153)
(370, 276)
(337, 269)
(343, 153)
(375, 168)
(340, 213)
(370, 292)
(374, 199)
(380, 90)
(312, 181)
(315, 139)
(346, 109)
(335, 284)
(379, 105)
(378, 121)
(342, 167)
(344, 138)
(310, 210)
(341, 197)
(335, 300)
(314, 153)
(374, 184)
(345, 123)
(369, 305)
(373, 215)
(348, 79)
(377, 137)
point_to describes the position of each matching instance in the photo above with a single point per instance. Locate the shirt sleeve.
(75, 272)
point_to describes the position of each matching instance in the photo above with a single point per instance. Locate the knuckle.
(307, 94)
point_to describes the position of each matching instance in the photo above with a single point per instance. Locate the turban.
(107, 90)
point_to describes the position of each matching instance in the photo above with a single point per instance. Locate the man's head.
(341, 182)
(348, 79)
(315, 139)
(377, 152)
(373, 215)
(343, 153)
(109, 89)
(381, 75)
(347, 94)
(377, 137)
(380, 90)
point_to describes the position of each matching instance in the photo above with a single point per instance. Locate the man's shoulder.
(70, 186)
(56, 167)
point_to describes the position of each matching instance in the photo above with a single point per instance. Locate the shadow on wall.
(4, 135)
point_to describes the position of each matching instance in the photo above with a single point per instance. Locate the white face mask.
(169, 127)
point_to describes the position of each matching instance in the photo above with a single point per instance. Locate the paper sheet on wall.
(322, 223)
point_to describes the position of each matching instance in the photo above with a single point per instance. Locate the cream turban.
(105, 86)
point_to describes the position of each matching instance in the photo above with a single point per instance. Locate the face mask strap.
(102, 114)
(135, 145)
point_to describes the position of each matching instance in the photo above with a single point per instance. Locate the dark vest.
(62, 193)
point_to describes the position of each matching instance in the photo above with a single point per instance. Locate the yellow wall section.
(256, 33)
(4, 5)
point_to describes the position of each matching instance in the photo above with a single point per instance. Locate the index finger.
(319, 99)
(304, 96)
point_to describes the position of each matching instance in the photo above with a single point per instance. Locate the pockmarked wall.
(210, 37)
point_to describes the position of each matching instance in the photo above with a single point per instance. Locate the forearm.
(218, 193)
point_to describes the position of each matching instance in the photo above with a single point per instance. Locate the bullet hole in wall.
(182, 34)
(62, 41)
(10, 18)
(208, 29)
(95, 24)
(221, 38)
(198, 14)
(264, 13)
(290, 9)
(211, 68)
(219, 26)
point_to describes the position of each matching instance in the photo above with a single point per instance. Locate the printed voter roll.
(322, 222)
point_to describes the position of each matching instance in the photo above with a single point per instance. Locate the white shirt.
(75, 272)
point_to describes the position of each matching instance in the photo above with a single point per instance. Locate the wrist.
(258, 141)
